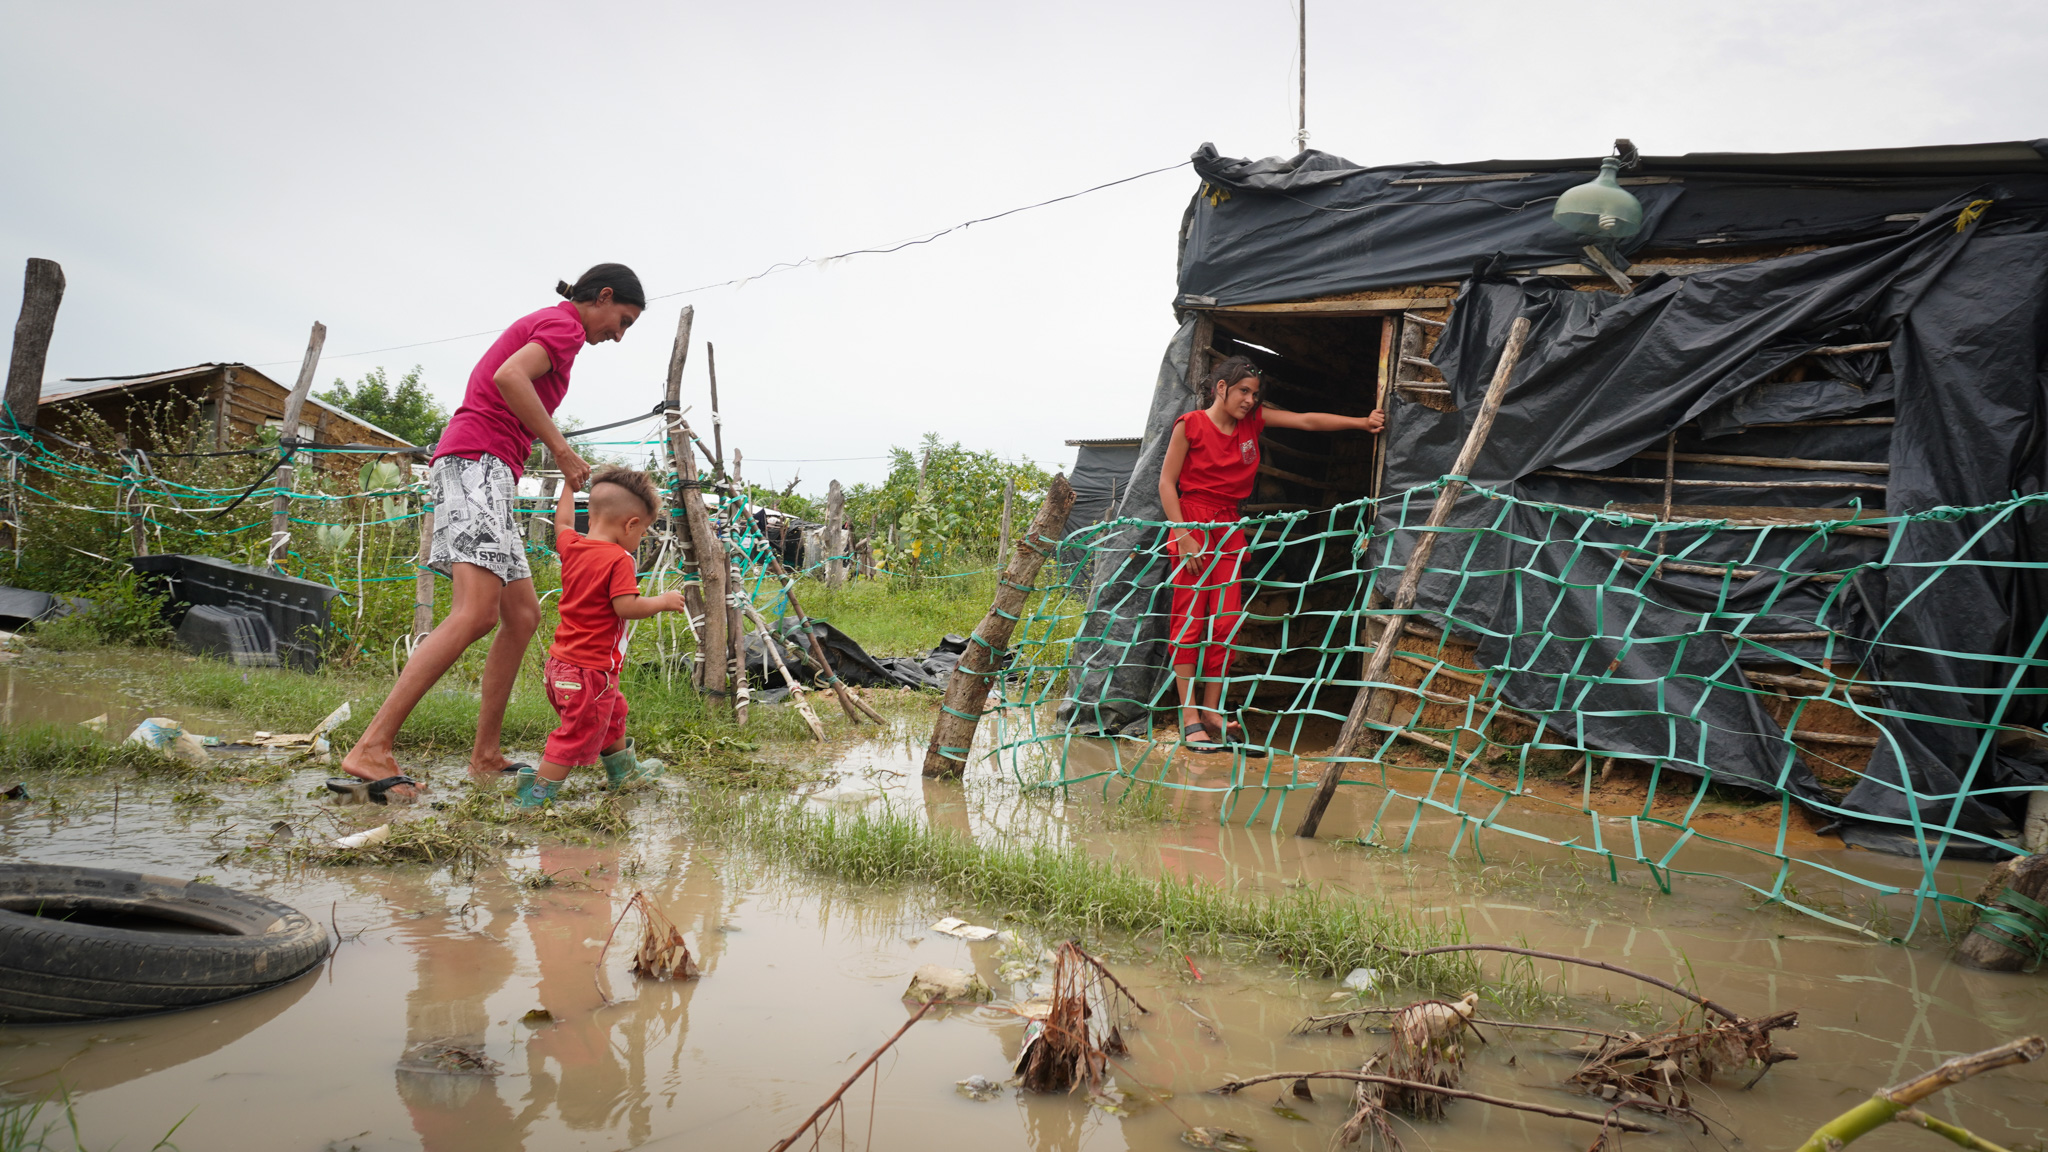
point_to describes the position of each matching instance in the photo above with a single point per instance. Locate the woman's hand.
(1376, 421)
(1187, 546)
(575, 473)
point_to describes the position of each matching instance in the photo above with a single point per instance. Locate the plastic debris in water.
(1219, 1138)
(1362, 979)
(979, 1088)
(377, 835)
(954, 926)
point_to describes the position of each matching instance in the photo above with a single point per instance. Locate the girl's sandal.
(1195, 738)
(1233, 738)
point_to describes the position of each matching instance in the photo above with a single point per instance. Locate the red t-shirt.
(1220, 467)
(591, 635)
(484, 423)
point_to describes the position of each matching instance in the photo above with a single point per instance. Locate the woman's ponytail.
(620, 279)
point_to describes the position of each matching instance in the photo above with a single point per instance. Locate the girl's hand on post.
(1376, 421)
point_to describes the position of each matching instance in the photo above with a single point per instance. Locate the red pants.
(1207, 606)
(592, 708)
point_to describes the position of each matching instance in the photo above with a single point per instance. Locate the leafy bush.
(946, 504)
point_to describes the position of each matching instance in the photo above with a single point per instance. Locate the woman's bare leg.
(1184, 680)
(473, 612)
(518, 616)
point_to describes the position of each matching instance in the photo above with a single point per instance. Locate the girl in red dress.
(1209, 470)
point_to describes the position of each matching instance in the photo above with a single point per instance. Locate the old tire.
(92, 943)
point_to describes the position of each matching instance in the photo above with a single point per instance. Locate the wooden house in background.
(223, 406)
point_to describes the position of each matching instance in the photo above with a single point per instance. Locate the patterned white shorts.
(475, 518)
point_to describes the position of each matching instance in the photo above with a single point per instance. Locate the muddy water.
(802, 978)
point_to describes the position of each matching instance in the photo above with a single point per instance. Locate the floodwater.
(803, 978)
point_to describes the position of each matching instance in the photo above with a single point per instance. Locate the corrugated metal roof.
(100, 385)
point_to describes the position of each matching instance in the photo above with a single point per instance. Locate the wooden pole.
(717, 425)
(836, 536)
(967, 689)
(423, 583)
(287, 438)
(1988, 947)
(539, 523)
(131, 502)
(1353, 732)
(848, 699)
(796, 690)
(1009, 498)
(736, 580)
(42, 290)
(705, 549)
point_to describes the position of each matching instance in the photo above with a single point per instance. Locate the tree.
(946, 502)
(406, 411)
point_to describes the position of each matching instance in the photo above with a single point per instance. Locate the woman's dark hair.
(1230, 371)
(620, 279)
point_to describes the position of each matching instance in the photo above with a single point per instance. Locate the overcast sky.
(215, 177)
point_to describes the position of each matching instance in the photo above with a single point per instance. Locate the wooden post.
(847, 699)
(539, 523)
(138, 525)
(967, 689)
(1198, 361)
(288, 436)
(1388, 366)
(1009, 498)
(736, 580)
(423, 583)
(1986, 947)
(796, 690)
(707, 612)
(42, 290)
(836, 537)
(1353, 732)
(717, 425)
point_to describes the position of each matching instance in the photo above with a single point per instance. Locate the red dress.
(1216, 477)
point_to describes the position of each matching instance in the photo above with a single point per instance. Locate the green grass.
(1066, 890)
(69, 750)
(49, 1123)
(906, 616)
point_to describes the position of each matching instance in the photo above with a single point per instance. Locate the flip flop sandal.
(1234, 739)
(1189, 741)
(353, 791)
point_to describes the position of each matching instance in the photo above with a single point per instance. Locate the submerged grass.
(1065, 889)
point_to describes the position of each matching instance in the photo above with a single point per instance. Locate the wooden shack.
(220, 406)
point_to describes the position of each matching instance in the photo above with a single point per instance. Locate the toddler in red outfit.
(600, 600)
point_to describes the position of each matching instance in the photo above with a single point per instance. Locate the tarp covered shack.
(1794, 344)
(1102, 469)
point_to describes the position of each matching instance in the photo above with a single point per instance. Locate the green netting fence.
(1546, 630)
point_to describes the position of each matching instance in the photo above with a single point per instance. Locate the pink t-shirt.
(484, 423)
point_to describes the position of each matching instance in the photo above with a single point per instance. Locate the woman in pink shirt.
(510, 402)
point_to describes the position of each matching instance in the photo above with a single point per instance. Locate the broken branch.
(1896, 1102)
(1709, 1005)
(1608, 1121)
(857, 1072)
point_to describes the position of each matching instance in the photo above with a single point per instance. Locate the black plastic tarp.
(1604, 377)
(1316, 224)
(1102, 472)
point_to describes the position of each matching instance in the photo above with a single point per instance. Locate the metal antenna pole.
(1301, 124)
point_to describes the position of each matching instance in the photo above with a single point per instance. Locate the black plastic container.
(295, 609)
(238, 634)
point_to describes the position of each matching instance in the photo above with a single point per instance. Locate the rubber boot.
(532, 790)
(624, 768)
